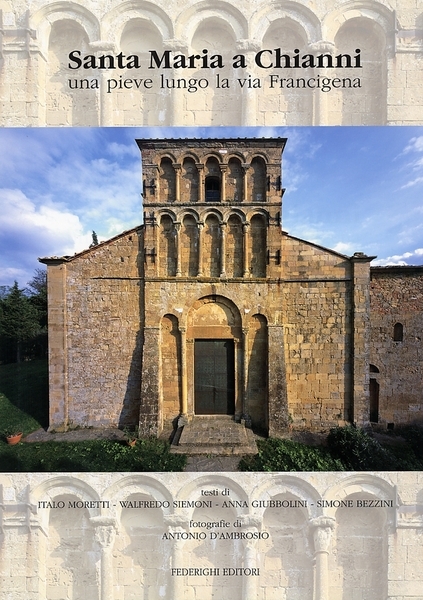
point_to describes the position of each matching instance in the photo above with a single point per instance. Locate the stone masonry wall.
(397, 298)
(317, 315)
(103, 341)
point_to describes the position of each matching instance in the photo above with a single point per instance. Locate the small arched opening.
(212, 189)
(374, 394)
(398, 332)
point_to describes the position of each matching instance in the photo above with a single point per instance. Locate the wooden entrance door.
(214, 377)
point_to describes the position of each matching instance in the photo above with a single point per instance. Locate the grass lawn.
(24, 395)
(24, 406)
(97, 455)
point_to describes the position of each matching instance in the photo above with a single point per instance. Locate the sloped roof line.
(91, 248)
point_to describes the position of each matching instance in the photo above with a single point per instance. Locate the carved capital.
(175, 522)
(248, 45)
(105, 530)
(322, 532)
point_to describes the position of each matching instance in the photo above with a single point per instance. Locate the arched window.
(167, 181)
(212, 189)
(398, 332)
(258, 180)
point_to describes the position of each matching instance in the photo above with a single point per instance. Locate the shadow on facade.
(130, 413)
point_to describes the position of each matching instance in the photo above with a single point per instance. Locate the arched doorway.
(214, 356)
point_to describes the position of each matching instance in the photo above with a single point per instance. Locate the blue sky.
(349, 189)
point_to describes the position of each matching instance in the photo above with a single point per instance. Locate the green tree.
(19, 320)
(38, 296)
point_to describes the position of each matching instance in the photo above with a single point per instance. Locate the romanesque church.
(210, 308)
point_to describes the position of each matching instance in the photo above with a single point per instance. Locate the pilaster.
(149, 422)
(278, 396)
(361, 337)
(57, 343)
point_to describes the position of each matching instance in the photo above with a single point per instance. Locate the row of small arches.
(233, 182)
(145, 30)
(121, 24)
(211, 252)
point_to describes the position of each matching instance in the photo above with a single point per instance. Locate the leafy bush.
(286, 455)
(413, 434)
(98, 455)
(359, 451)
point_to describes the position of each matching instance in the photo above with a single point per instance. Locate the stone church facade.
(210, 308)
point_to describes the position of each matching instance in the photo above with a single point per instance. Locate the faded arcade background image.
(41, 85)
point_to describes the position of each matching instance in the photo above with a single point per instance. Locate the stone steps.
(215, 435)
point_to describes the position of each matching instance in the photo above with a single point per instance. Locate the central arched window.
(212, 189)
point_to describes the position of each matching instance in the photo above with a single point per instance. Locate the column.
(322, 528)
(250, 583)
(321, 102)
(156, 234)
(105, 533)
(177, 168)
(245, 372)
(249, 96)
(223, 249)
(178, 248)
(183, 338)
(200, 226)
(106, 100)
(223, 169)
(246, 248)
(176, 524)
(245, 190)
(177, 103)
(106, 107)
(200, 168)
(23, 540)
(106, 116)
(239, 378)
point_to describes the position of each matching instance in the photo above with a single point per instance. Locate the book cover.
(221, 309)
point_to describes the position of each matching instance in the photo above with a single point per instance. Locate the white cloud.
(407, 258)
(123, 150)
(415, 145)
(10, 275)
(418, 164)
(344, 248)
(412, 183)
(38, 230)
